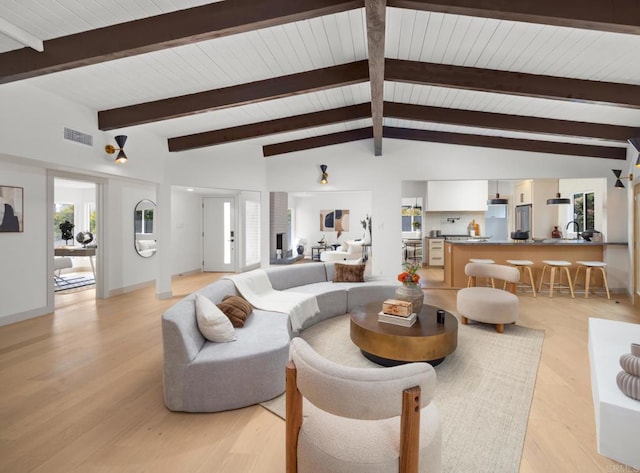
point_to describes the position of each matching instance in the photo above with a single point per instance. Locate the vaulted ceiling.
(554, 77)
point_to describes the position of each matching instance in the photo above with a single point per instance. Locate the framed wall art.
(11, 209)
(334, 221)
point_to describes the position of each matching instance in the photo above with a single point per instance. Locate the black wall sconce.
(120, 140)
(619, 184)
(325, 176)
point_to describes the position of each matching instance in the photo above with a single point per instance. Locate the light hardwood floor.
(81, 391)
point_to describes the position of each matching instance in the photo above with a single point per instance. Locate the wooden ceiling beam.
(243, 94)
(254, 130)
(168, 30)
(570, 149)
(618, 16)
(515, 83)
(317, 141)
(500, 121)
(484, 141)
(376, 16)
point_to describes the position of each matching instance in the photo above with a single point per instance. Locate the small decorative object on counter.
(629, 379)
(471, 229)
(440, 316)
(556, 233)
(410, 290)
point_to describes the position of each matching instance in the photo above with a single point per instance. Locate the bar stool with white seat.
(523, 264)
(553, 264)
(481, 261)
(587, 277)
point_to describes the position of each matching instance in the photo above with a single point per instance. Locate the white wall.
(186, 232)
(33, 123)
(23, 256)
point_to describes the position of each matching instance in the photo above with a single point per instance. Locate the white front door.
(219, 230)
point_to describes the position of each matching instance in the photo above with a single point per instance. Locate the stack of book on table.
(397, 312)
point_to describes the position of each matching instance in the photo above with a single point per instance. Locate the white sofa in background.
(350, 250)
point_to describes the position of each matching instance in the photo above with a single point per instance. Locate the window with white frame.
(584, 210)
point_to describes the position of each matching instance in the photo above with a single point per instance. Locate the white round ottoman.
(489, 305)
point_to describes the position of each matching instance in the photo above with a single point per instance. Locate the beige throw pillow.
(213, 324)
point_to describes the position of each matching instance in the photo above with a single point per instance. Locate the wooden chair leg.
(500, 328)
(410, 431)
(544, 268)
(569, 281)
(294, 418)
(575, 279)
(604, 280)
(533, 284)
(587, 282)
(464, 320)
(552, 278)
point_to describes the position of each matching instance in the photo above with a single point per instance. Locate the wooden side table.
(315, 252)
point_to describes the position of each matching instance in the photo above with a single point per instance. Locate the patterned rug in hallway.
(73, 282)
(484, 391)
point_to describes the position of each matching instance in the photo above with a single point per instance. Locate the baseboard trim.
(22, 316)
(133, 287)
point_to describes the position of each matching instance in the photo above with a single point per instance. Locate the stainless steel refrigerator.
(523, 218)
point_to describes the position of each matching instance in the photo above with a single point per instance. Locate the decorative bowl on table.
(538, 239)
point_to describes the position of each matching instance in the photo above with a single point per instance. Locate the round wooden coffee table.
(390, 345)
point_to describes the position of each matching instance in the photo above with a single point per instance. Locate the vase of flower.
(410, 290)
(411, 293)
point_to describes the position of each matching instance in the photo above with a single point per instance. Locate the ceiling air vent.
(78, 137)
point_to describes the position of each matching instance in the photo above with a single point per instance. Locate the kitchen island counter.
(458, 253)
(558, 241)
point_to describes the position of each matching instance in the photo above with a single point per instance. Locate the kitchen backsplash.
(452, 223)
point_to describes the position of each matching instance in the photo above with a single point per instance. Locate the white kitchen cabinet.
(436, 251)
(457, 196)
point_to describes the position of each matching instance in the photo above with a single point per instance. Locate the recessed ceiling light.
(190, 189)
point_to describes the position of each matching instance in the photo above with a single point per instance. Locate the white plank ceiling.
(326, 41)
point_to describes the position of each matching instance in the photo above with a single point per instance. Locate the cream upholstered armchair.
(368, 420)
(487, 304)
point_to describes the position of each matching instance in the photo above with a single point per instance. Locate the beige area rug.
(484, 391)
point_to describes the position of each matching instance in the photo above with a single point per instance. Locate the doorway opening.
(75, 244)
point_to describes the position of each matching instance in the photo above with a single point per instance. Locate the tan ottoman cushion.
(485, 304)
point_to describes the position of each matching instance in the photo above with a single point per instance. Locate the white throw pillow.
(355, 246)
(213, 324)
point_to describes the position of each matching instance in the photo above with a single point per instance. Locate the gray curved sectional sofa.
(202, 376)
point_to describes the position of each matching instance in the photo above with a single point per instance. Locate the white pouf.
(485, 304)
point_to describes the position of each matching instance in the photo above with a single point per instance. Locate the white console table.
(617, 416)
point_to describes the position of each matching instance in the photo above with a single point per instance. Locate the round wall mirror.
(144, 236)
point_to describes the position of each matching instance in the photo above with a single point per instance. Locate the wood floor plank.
(82, 391)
